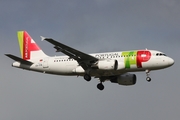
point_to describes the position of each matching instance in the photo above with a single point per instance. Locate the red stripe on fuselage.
(142, 56)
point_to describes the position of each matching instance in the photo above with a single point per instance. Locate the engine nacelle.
(120, 66)
(126, 79)
(110, 65)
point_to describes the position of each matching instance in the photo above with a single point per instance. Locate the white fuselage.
(63, 65)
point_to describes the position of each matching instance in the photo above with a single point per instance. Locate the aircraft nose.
(171, 61)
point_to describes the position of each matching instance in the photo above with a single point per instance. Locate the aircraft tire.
(148, 79)
(87, 77)
(100, 86)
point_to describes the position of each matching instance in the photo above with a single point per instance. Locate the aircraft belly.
(62, 68)
(106, 72)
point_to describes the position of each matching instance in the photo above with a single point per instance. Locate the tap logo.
(27, 45)
(26, 54)
(136, 58)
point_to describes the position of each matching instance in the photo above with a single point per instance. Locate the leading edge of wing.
(71, 52)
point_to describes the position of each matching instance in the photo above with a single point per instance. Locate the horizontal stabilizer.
(19, 59)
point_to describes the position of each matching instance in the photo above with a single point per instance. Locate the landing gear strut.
(147, 74)
(100, 86)
(87, 77)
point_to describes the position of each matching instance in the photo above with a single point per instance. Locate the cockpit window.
(164, 54)
(160, 54)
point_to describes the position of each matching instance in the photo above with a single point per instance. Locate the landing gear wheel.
(87, 77)
(100, 86)
(148, 79)
(147, 74)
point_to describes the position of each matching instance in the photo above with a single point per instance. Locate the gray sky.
(90, 26)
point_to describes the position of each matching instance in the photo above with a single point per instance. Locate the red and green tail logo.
(27, 44)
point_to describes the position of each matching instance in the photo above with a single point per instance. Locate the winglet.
(42, 38)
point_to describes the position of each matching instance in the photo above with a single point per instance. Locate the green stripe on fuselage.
(129, 58)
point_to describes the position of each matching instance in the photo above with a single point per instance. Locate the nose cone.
(170, 61)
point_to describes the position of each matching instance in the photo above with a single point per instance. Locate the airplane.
(115, 67)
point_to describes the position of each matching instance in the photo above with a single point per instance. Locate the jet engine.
(125, 79)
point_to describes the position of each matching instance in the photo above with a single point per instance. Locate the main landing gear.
(100, 86)
(147, 74)
(87, 77)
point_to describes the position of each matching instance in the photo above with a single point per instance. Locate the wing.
(83, 59)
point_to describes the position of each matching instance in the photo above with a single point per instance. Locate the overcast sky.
(90, 26)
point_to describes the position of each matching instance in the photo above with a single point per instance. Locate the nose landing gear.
(147, 74)
(148, 79)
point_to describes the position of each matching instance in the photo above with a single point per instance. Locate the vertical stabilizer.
(28, 48)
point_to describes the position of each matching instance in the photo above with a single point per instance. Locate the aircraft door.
(146, 55)
(142, 56)
(45, 63)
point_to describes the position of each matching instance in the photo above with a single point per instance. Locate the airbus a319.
(112, 66)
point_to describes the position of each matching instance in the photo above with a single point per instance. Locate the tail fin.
(28, 48)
